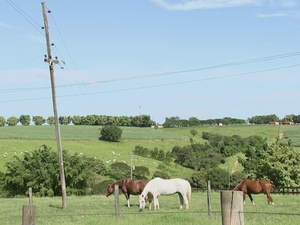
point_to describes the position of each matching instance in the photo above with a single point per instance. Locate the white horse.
(158, 186)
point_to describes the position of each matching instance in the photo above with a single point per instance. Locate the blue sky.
(163, 58)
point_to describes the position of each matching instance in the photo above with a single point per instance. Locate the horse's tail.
(189, 193)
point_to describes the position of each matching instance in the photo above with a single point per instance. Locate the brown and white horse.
(130, 187)
(255, 187)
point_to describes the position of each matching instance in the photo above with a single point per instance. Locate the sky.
(164, 58)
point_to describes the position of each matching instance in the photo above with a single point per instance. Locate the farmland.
(101, 210)
(84, 139)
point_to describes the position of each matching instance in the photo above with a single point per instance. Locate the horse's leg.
(244, 197)
(186, 201)
(267, 189)
(127, 198)
(251, 199)
(181, 200)
(155, 201)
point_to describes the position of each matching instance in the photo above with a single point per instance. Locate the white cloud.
(211, 4)
(279, 14)
(206, 4)
(5, 25)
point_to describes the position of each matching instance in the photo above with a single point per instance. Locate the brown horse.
(130, 187)
(255, 187)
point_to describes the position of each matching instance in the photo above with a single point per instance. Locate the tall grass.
(101, 210)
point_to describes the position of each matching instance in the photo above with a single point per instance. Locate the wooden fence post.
(209, 199)
(232, 207)
(30, 196)
(28, 215)
(117, 206)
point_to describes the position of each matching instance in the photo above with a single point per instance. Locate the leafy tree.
(140, 172)
(218, 178)
(198, 179)
(110, 133)
(24, 120)
(38, 120)
(2, 121)
(141, 151)
(193, 132)
(281, 163)
(162, 174)
(12, 121)
(40, 171)
(119, 170)
(51, 120)
(76, 120)
(64, 120)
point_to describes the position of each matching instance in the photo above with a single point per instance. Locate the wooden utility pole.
(57, 130)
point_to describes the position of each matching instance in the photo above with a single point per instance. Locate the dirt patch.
(281, 135)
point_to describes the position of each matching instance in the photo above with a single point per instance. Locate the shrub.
(110, 133)
(12, 121)
(162, 174)
(2, 121)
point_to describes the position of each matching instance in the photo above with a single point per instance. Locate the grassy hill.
(84, 139)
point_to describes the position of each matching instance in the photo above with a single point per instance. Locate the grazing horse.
(129, 187)
(255, 187)
(158, 186)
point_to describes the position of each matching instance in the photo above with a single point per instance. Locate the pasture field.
(89, 210)
(84, 139)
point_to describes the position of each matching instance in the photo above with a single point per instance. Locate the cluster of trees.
(154, 154)
(40, 171)
(265, 119)
(102, 120)
(193, 121)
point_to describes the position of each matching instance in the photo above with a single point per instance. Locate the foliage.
(100, 188)
(154, 154)
(51, 120)
(24, 120)
(198, 179)
(193, 132)
(12, 121)
(162, 174)
(119, 170)
(277, 161)
(76, 120)
(38, 120)
(2, 121)
(140, 172)
(64, 120)
(40, 171)
(218, 178)
(264, 119)
(110, 133)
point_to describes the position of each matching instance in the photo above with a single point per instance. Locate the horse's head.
(142, 201)
(110, 190)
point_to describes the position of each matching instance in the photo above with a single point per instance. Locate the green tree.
(198, 179)
(119, 170)
(64, 120)
(110, 133)
(140, 172)
(193, 132)
(2, 121)
(281, 163)
(162, 174)
(51, 120)
(76, 120)
(218, 178)
(12, 121)
(38, 120)
(39, 170)
(24, 120)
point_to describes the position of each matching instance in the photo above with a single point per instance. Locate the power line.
(162, 85)
(293, 54)
(25, 15)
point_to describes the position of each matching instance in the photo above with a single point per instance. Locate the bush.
(2, 121)
(110, 133)
(25, 120)
(12, 121)
(161, 174)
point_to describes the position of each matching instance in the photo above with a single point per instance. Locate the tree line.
(193, 121)
(100, 120)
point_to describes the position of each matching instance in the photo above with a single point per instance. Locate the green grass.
(101, 210)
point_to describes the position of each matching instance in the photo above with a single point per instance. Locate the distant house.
(287, 123)
(220, 124)
(274, 123)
